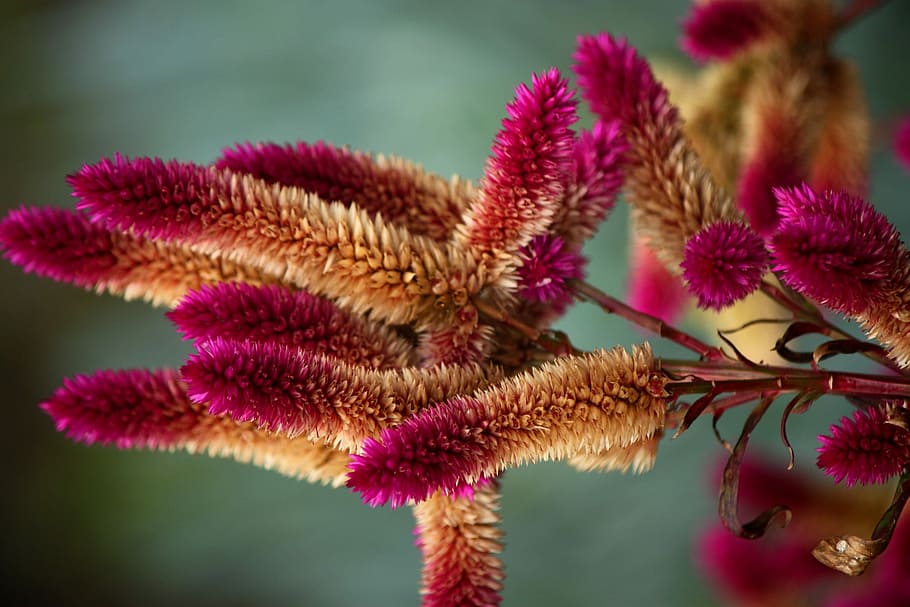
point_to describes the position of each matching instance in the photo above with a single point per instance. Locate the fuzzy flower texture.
(360, 321)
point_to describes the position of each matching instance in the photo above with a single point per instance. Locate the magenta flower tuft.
(525, 177)
(278, 387)
(422, 455)
(834, 248)
(547, 264)
(723, 263)
(133, 408)
(399, 189)
(279, 315)
(618, 83)
(600, 162)
(155, 196)
(59, 244)
(723, 28)
(865, 449)
(902, 142)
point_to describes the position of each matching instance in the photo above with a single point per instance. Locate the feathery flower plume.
(524, 180)
(293, 391)
(64, 245)
(835, 248)
(459, 539)
(902, 142)
(841, 157)
(575, 404)
(595, 182)
(278, 315)
(402, 191)
(337, 251)
(547, 264)
(868, 448)
(719, 29)
(774, 147)
(723, 263)
(138, 409)
(672, 194)
(652, 289)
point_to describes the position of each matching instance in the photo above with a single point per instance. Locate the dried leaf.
(851, 554)
(730, 485)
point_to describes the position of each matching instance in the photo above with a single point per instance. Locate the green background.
(424, 80)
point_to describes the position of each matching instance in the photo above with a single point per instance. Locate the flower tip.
(865, 448)
(723, 263)
(547, 266)
(723, 28)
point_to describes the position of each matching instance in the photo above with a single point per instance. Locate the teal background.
(424, 80)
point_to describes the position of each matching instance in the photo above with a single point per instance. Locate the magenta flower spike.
(720, 29)
(869, 448)
(277, 315)
(64, 245)
(402, 191)
(532, 417)
(724, 262)
(162, 200)
(672, 194)
(338, 251)
(599, 171)
(547, 264)
(293, 391)
(141, 409)
(525, 178)
(835, 248)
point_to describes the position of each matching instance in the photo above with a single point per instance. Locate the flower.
(333, 295)
(723, 263)
(835, 248)
(871, 447)
(722, 28)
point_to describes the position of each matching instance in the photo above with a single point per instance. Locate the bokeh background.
(424, 80)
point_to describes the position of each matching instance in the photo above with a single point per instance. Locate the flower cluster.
(359, 321)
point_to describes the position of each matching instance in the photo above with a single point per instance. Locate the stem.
(797, 380)
(612, 305)
(541, 338)
(802, 309)
(806, 311)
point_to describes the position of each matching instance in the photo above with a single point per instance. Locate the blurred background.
(423, 80)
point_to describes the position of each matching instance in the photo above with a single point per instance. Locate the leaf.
(800, 404)
(797, 329)
(843, 346)
(851, 554)
(730, 484)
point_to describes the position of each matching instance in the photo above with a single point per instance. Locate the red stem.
(646, 321)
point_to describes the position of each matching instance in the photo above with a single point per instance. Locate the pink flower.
(835, 248)
(547, 265)
(525, 177)
(865, 449)
(720, 29)
(723, 263)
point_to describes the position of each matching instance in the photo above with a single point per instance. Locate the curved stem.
(646, 321)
